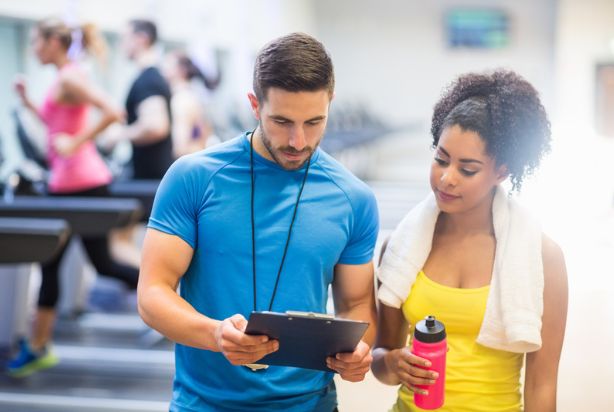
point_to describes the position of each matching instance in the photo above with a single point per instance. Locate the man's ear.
(255, 104)
(502, 173)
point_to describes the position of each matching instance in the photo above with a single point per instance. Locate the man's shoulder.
(210, 160)
(149, 73)
(150, 78)
(353, 187)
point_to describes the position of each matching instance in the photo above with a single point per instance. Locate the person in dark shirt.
(148, 106)
(148, 118)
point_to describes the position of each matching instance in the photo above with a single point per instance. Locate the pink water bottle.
(430, 343)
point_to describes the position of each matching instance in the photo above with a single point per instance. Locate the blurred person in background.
(192, 130)
(76, 168)
(148, 116)
(148, 106)
(475, 259)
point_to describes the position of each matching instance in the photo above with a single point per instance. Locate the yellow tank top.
(478, 379)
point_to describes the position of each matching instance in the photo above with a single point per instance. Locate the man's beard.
(269, 147)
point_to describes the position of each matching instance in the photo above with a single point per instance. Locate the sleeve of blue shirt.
(365, 229)
(175, 207)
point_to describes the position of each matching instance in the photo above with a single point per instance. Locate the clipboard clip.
(310, 314)
(255, 367)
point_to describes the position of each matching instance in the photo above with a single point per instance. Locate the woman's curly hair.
(505, 110)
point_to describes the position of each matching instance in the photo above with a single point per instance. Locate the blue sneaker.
(28, 361)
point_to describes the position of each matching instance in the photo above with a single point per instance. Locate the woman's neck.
(61, 61)
(179, 84)
(474, 221)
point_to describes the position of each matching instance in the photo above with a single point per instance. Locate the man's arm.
(542, 366)
(354, 295)
(165, 259)
(354, 298)
(153, 123)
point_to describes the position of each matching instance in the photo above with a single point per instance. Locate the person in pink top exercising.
(76, 169)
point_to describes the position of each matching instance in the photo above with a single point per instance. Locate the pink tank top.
(83, 170)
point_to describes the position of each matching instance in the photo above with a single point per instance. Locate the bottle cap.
(430, 330)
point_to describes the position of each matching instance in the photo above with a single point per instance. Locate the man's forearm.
(140, 133)
(164, 310)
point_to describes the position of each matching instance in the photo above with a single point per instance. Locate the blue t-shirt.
(205, 200)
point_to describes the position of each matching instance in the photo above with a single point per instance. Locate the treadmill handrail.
(88, 216)
(35, 226)
(28, 240)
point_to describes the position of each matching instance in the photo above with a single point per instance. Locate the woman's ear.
(502, 173)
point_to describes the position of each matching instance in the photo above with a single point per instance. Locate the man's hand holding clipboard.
(352, 366)
(238, 347)
(314, 341)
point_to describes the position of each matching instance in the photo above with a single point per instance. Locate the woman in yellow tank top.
(486, 128)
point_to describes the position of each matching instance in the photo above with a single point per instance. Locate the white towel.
(512, 320)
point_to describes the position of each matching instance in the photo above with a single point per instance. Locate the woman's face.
(463, 175)
(44, 49)
(171, 69)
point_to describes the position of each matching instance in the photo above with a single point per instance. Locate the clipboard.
(306, 339)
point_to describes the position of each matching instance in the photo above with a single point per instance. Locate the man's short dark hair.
(295, 62)
(146, 27)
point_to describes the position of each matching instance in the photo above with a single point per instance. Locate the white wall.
(584, 37)
(240, 26)
(577, 176)
(393, 53)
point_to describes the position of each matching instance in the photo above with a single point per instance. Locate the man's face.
(292, 124)
(130, 42)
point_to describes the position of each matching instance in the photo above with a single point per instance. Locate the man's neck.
(147, 58)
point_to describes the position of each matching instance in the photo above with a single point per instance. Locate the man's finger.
(361, 350)
(341, 365)
(355, 357)
(241, 358)
(269, 349)
(353, 377)
(269, 346)
(352, 368)
(239, 322)
(237, 336)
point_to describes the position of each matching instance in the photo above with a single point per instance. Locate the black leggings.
(98, 251)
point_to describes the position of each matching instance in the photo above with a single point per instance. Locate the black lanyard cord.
(283, 259)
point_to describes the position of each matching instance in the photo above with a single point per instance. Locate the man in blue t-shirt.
(265, 221)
